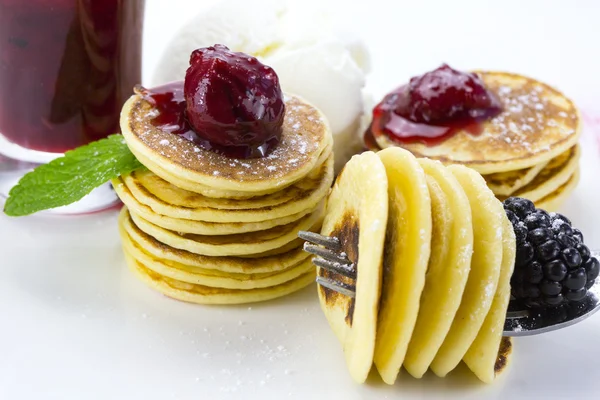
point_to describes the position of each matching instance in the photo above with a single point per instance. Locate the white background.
(75, 324)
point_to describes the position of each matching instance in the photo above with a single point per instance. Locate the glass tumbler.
(66, 68)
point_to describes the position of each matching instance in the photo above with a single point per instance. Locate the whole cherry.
(232, 99)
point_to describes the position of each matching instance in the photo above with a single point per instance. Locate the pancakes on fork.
(441, 270)
(206, 228)
(538, 128)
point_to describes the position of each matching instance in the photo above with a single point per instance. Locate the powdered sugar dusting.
(490, 290)
(528, 112)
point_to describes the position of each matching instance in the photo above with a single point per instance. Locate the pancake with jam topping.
(220, 194)
(235, 170)
(305, 140)
(537, 123)
(514, 130)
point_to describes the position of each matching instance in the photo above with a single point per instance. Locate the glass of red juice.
(66, 68)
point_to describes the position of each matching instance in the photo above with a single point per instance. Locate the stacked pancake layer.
(530, 150)
(205, 228)
(433, 252)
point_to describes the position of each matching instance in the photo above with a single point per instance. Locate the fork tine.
(326, 254)
(340, 287)
(330, 243)
(342, 269)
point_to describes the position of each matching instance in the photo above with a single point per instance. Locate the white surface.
(75, 324)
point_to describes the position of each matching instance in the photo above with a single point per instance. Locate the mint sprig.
(68, 179)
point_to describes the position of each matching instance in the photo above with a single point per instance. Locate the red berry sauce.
(433, 107)
(169, 102)
(229, 103)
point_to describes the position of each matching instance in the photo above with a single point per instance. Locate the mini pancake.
(310, 190)
(554, 200)
(207, 277)
(305, 135)
(213, 295)
(488, 216)
(230, 245)
(264, 263)
(537, 124)
(508, 182)
(217, 215)
(199, 227)
(448, 269)
(557, 172)
(357, 212)
(483, 353)
(504, 357)
(216, 193)
(406, 255)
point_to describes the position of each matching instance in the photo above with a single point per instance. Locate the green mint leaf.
(69, 178)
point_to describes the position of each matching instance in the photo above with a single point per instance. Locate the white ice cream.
(326, 68)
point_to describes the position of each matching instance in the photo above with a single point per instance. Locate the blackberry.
(578, 235)
(592, 268)
(521, 207)
(572, 257)
(553, 267)
(540, 235)
(548, 250)
(520, 231)
(537, 220)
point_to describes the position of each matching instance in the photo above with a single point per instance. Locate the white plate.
(75, 324)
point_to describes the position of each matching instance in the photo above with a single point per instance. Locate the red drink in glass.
(66, 67)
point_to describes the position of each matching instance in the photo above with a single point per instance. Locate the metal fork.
(520, 321)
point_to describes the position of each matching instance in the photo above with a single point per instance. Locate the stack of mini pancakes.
(530, 150)
(205, 228)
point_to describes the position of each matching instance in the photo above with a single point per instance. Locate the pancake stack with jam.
(234, 170)
(519, 133)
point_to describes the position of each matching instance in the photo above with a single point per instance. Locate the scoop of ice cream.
(326, 75)
(311, 58)
(241, 26)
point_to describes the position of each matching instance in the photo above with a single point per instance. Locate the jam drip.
(170, 116)
(433, 107)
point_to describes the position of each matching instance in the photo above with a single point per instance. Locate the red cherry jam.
(230, 102)
(434, 106)
(171, 116)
